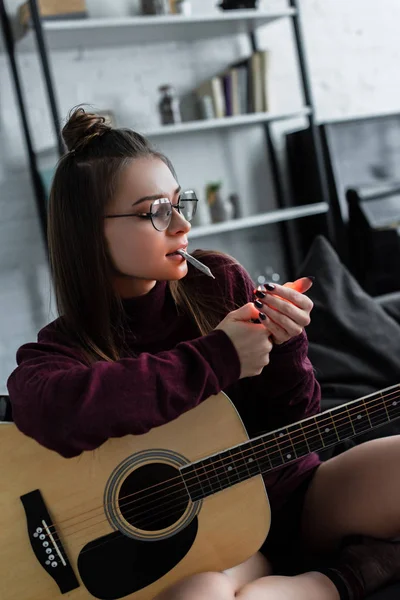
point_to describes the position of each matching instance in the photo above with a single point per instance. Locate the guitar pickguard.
(115, 565)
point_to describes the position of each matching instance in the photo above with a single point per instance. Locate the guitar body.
(104, 539)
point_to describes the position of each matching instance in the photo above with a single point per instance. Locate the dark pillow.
(354, 342)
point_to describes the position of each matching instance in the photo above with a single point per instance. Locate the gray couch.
(354, 344)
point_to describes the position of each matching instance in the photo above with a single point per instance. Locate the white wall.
(353, 47)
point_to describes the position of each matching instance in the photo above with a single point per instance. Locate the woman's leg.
(220, 586)
(357, 492)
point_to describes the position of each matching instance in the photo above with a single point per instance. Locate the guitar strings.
(146, 512)
(179, 479)
(176, 510)
(215, 475)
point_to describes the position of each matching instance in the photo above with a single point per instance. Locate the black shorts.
(283, 547)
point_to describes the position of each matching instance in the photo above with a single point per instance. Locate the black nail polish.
(258, 304)
(311, 277)
(270, 286)
(262, 316)
(256, 321)
(259, 294)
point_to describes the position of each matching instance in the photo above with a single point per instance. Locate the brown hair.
(85, 181)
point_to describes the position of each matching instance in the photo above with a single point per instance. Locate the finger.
(298, 315)
(279, 335)
(245, 313)
(301, 285)
(288, 325)
(292, 296)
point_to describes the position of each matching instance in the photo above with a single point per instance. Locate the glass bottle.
(169, 106)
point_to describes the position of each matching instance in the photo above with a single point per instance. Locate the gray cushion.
(354, 342)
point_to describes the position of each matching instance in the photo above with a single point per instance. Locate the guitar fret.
(244, 465)
(335, 428)
(235, 463)
(261, 454)
(344, 427)
(286, 445)
(367, 413)
(328, 430)
(203, 475)
(314, 438)
(275, 452)
(377, 412)
(384, 405)
(358, 418)
(392, 404)
(215, 466)
(351, 422)
(215, 473)
(253, 462)
(299, 440)
(231, 473)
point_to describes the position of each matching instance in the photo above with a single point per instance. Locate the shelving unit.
(225, 122)
(90, 33)
(273, 216)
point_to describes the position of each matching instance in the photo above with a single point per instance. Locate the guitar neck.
(282, 446)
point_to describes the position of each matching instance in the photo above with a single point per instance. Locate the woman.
(142, 338)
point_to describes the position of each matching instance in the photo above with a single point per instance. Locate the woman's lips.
(175, 256)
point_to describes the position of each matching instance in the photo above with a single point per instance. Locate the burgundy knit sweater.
(69, 407)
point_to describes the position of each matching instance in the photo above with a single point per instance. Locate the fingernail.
(259, 294)
(311, 277)
(258, 304)
(270, 286)
(257, 321)
(262, 316)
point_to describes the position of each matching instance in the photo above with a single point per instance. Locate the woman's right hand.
(251, 341)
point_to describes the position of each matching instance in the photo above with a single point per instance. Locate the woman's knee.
(203, 586)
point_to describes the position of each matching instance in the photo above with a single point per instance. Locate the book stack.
(241, 89)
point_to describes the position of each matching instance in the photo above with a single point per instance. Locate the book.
(264, 75)
(243, 87)
(227, 83)
(257, 87)
(232, 92)
(213, 88)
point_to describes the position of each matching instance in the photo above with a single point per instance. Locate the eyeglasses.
(161, 210)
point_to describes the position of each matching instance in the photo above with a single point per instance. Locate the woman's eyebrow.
(156, 196)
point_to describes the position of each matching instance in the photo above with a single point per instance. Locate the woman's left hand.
(287, 309)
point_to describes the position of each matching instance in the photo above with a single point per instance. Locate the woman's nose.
(179, 223)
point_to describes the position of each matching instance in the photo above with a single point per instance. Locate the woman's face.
(139, 252)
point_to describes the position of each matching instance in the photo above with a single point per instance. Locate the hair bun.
(81, 127)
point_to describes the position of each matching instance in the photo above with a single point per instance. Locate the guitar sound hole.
(153, 497)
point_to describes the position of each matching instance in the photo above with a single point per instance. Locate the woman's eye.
(162, 213)
(144, 216)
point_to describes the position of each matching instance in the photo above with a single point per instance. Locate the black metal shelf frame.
(288, 233)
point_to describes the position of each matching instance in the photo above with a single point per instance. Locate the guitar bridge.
(46, 544)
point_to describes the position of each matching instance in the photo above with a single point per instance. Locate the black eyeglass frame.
(150, 215)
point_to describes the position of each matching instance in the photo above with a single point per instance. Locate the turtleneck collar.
(146, 313)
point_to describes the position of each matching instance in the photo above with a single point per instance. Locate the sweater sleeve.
(286, 389)
(70, 407)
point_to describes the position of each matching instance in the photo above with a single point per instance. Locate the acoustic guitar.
(142, 512)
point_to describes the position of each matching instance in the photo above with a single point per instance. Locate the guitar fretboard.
(272, 450)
